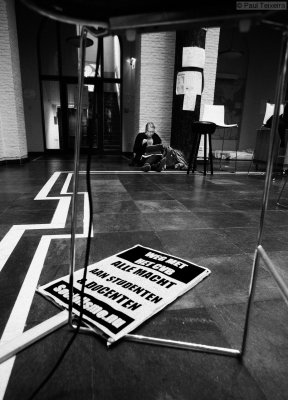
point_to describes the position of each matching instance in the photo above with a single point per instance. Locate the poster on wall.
(193, 57)
(125, 289)
(180, 83)
(189, 83)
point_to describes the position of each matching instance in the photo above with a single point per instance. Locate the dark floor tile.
(13, 274)
(141, 187)
(191, 244)
(230, 280)
(207, 205)
(178, 187)
(267, 326)
(251, 204)
(17, 217)
(120, 223)
(193, 194)
(219, 219)
(107, 196)
(224, 181)
(4, 228)
(150, 195)
(246, 238)
(192, 325)
(115, 206)
(276, 218)
(108, 188)
(174, 221)
(31, 204)
(160, 206)
(279, 259)
(59, 255)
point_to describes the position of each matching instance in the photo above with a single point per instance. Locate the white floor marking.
(17, 319)
(66, 184)
(18, 316)
(42, 195)
(8, 244)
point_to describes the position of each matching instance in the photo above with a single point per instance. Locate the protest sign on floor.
(124, 290)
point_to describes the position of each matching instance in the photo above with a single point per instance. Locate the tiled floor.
(212, 221)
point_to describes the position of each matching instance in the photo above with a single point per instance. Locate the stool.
(201, 128)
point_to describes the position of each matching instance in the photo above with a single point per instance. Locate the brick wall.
(155, 53)
(12, 126)
(154, 91)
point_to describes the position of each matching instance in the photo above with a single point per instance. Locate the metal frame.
(258, 252)
(10, 349)
(280, 194)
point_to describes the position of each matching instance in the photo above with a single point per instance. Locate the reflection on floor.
(212, 221)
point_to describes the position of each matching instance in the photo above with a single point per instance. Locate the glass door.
(89, 120)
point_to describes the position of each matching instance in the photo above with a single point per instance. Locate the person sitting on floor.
(153, 159)
(282, 125)
(144, 139)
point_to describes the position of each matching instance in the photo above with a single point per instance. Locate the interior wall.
(27, 26)
(128, 92)
(156, 83)
(12, 125)
(264, 50)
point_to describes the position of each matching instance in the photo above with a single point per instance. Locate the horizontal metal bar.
(183, 345)
(14, 346)
(278, 278)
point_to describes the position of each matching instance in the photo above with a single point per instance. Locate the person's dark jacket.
(282, 125)
(140, 148)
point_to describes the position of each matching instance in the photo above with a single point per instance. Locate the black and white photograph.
(143, 200)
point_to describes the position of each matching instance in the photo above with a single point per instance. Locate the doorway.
(101, 113)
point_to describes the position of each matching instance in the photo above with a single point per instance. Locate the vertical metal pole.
(279, 96)
(280, 194)
(222, 148)
(205, 152)
(81, 65)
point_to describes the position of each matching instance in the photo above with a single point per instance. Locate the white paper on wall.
(193, 82)
(180, 83)
(192, 87)
(189, 101)
(193, 57)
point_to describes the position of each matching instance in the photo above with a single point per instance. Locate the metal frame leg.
(81, 67)
(220, 166)
(278, 98)
(280, 194)
(210, 153)
(205, 152)
(196, 153)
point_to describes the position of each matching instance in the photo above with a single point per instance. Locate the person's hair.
(149, 124)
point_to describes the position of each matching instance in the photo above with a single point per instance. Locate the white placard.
(124, 290)
(189, 81)
(193, 57)
(189, 102)
(193, 82)
(192, 85)
(180, 83)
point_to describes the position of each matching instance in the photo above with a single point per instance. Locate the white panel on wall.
(210, 69)
(13, 134)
